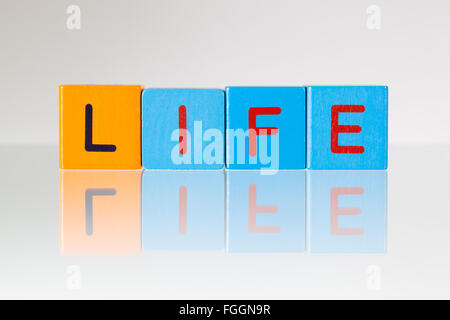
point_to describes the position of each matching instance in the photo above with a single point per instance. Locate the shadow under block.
(100, 127)
(100, 212)
(347, 127)
(266, 128)
(183, 128)
(183, 210)
(347, 211)
(266, 213)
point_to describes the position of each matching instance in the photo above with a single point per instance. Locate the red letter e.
(336, 129)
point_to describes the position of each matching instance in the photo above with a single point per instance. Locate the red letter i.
(182, 129)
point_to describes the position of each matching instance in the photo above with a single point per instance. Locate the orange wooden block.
(100, 127)
(100, 212)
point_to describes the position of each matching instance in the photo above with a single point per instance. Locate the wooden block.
(266, 213)
(183, 128)
(266, 128)
(347, 127)
(100, 212)
(99, 127)
(347, 211)
(183, 210)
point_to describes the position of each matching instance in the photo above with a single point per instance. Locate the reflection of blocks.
(183, 210)
(183, 128)
(347, 211)
(100, 127)
(266, 127)
(266, 213)
(347, 127)
(100, 212)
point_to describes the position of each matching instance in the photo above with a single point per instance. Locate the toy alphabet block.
(183, 210)
(100, 212)
(347, 211)
(266, 128)
(266, 213)
(347, 127)
(99, 127)
(183, 128)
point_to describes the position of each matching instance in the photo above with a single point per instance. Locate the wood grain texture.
(347, 127)
(99, 127)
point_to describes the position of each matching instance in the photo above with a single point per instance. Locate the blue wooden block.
(346, 211)
(347, 127)
(183, 210)
(266, 213)
(183, 128)
(266, 128)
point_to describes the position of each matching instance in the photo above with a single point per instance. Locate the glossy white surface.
(415, 264)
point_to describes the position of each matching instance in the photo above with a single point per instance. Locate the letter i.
(182, 129)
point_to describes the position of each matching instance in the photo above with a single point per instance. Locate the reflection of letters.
(336, 211)
(253, 209)
(182, 210)
(88, 197)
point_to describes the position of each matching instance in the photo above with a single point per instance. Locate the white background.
(211, 44)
